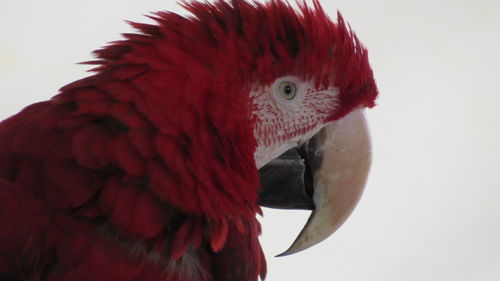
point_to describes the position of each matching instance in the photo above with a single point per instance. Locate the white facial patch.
(284, 122)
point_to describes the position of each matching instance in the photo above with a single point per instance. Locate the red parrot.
(156, 165)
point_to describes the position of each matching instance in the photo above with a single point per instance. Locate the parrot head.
(305, 82)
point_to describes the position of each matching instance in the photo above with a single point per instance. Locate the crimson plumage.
(145, 170)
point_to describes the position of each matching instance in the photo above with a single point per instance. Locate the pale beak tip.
(288, 252)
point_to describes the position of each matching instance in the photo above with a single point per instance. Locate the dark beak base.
(287, 182)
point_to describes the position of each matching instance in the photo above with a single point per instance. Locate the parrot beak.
(327, 175)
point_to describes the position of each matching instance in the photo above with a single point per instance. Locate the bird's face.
(299, 83)
(324, 162)
(289, 112)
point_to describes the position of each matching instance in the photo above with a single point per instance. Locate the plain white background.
(431, 210)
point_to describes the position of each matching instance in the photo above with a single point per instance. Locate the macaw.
(156, 166)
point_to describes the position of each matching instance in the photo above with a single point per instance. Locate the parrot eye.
(287, 90)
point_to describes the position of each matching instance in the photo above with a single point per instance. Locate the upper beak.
(327, 175)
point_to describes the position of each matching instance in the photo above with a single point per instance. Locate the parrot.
(157, 165)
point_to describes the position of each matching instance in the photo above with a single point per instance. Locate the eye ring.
(287, 90)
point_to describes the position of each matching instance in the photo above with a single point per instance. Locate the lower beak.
(327, 175)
